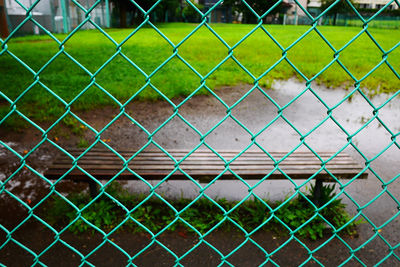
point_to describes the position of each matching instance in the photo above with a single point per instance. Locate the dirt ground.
(203, 112)
(292, 254)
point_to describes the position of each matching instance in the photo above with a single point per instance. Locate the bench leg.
(317, 192)
(92, 188)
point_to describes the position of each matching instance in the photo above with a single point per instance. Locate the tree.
(165, 10)
(259, 6)
(341, 7)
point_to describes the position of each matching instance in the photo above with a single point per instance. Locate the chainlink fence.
(10, 237)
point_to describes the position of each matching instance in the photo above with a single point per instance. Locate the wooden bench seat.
(201, 165)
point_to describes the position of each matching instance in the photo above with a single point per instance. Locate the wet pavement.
(254, 112)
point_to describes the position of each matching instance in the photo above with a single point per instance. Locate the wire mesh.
(13, 109)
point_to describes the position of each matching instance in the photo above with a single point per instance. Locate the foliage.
(326, 194)
(259, 6)
(164, 11)
(367, 12)
(83, 143)
(169, 10)
(202, 215)
(101, 214)
(341, 7)
(125, 7)
(190, 14)
(297, 214)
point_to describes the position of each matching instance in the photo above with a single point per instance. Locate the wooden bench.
(201, 165)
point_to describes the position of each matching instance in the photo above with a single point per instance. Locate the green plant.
(202, 215)
(296, 215)
(74, 125)
(327, 192)
(102, 214)
(301, 214)
(83, 143)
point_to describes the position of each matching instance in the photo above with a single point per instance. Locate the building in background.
(56, 16)
(361, 4)
(367, 7)
(42, 13)
(221, 13)
(62, 16)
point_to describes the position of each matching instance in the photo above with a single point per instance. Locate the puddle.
(302, 117)
(304, 113)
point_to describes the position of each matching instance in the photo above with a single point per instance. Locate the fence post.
(108, 22)
(4, 32)
(64, 15)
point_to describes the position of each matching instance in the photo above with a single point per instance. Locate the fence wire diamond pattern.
(13, 105)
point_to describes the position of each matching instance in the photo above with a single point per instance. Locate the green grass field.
(147, 49)
(387, 24)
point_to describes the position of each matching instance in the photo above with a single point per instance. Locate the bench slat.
(145, 156)
(202, 154)
(65, 163)
(202, 165)
(199, 175)
(207, 167)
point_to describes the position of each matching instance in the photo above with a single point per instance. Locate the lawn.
(147, 50)
(384, 23)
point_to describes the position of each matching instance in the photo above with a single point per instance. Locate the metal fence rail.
(14, 109)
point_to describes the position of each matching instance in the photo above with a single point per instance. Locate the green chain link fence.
(13, 110)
